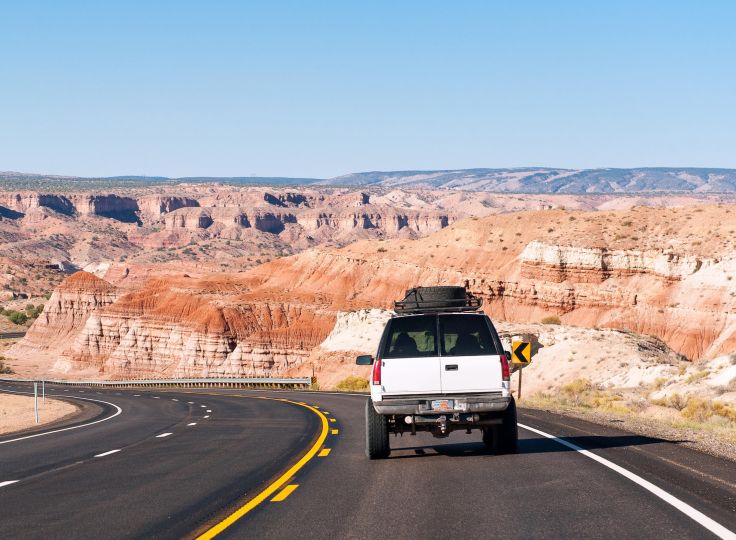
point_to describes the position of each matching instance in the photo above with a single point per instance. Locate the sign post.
(521, 353)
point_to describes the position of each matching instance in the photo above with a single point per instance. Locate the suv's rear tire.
(508, 431)
(376, 433)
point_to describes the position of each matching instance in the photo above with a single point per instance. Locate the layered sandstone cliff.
(178, 327)
(675, 284)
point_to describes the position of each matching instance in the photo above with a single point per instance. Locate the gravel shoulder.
(17, 412)
(702, 440)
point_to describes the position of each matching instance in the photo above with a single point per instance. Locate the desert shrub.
(697, 376)
(659, 382)
(576, 391)
(675, 401)
(583, 393)
(551, 319)
(382, 250)
(352, 384)
(16, 317)
(4, 368)
(701, 410)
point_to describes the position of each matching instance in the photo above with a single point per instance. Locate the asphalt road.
(296, 468)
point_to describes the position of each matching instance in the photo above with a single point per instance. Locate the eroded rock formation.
(269, 319)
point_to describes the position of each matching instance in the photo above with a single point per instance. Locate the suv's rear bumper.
(494, 402)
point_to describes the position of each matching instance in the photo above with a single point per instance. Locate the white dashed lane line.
(190, 402)
(207, 416)
(108, 453)
(174, 399)
(136, 395)
(163, 435)
(7, 483)
(192, 424)
(203, 406)
(208, 410)
(156, 397)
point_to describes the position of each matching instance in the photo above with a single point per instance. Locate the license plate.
(443, 404)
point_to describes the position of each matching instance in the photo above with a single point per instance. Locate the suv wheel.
(376, 433)
(508, 431)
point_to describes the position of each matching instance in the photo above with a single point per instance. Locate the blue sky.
(325, 88)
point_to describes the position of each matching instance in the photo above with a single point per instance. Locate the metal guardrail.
(252, 382)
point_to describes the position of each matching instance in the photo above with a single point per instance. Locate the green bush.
(352, 384)
(16, 317)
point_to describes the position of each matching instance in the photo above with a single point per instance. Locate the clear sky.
(318, 89)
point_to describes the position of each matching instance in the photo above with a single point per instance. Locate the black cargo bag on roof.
(433, 299)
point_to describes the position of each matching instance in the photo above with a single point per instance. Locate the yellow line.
(276, 484)
(324, 452)
(335, 431)
(325, 412)
(285, 493)
(333, 420)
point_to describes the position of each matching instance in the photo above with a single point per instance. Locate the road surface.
(248, 464)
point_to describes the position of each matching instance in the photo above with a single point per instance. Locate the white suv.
(440, 367)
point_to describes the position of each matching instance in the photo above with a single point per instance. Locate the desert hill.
(665, 272)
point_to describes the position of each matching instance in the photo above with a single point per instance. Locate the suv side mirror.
(507, 354)
(364, 360)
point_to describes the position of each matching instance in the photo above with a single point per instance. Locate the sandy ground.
(16, 412)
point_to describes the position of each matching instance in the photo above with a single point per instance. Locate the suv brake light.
(376, 377)
(505, 374)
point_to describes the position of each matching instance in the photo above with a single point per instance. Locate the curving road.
(179, 463)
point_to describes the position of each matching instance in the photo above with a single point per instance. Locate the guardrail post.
(35, 399)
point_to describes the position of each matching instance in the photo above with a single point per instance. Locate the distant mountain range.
(546, 180)
(518, 180)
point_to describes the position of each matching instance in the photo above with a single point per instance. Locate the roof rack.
(430, 300)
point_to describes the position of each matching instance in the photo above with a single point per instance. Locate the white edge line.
(697, 516)
(119, 411)
(103, 454)
(8, 482)
(163, 435)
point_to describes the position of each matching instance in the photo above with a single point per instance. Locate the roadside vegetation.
(4, 368)
(675, 410)
(352, 384)
(20, 318)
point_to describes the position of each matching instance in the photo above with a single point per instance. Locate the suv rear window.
(460, 335)
(410, 337)
(465, 335)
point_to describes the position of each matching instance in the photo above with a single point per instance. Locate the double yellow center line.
(281, 480)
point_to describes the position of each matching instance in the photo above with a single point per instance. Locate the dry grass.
(352, 384)
(582, 394)
(711, 418)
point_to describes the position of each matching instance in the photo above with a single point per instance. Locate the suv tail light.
(376, 377)
(505, 374)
